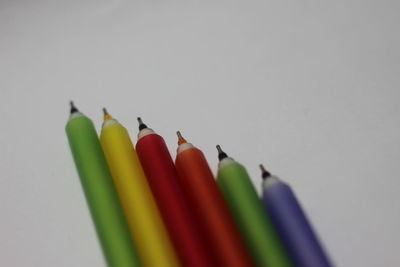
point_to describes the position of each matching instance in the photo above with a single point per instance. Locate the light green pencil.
(102, 199)
(258, 231)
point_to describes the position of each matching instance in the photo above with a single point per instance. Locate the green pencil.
(258, 231)
(102, 199)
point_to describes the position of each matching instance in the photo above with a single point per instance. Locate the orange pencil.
(207, 201)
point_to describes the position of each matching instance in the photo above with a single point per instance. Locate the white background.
(309, 88)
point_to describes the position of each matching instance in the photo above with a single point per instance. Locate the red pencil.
(177, 214)
(204, 195)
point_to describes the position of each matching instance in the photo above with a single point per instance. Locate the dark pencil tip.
(221, 153)
(141, 124)
(178, 133)
(181, 139)
(264, 173)
(73, 108)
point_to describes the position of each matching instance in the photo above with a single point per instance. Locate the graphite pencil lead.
(221, 153)
(264, 173)
(181, 140)
(178, 133)
(73, 108)
(141, 124)
(106, 115)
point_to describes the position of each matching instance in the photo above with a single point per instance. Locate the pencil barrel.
(216, 221)
(144, 219)
(293, 226)
(176, 212)
(110, 224)
(256, 228)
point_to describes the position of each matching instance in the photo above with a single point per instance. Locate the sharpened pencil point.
(106, 115)
(141, 124)
(178, 133)
(73, 108)
(221, 153)
(264, 173)
(181, 140)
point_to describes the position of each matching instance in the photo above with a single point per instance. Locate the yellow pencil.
(144, 219)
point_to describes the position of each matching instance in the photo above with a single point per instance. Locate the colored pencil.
(291, 223)
(145, 222)
(176, 211)
(215, 219)
(102, 199)
(256, 227)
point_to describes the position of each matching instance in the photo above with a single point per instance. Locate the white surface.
(309, 88)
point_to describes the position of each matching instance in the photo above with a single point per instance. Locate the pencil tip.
(264, 172)
(73, 108)
(178, 133)
(221, 153)
(141, 124)
(106, 115)
(181, 140)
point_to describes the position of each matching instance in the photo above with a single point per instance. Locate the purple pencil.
(291, 223)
